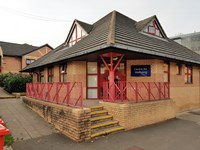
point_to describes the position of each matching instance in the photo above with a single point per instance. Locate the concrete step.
(96, 108)
(99, 113)
(106, 131)
(100, 118)
(104, 124)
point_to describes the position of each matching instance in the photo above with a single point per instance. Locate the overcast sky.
(38, 22)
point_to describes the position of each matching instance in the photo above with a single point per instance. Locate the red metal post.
(27, 93)
(111, 85)
(136, 91)
(159, 90)
(120, 85)
(3, 131)
(35, 89)
(48, 92)
(81, 103)
(68, 94)
(149, 91)
(30, 89)
(168, 89)
(164, 86)
(118, 62)
(111, 70)
(41, 94)
(57, 93)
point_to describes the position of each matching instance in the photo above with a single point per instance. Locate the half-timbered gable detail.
(77, 32)
(151, 26)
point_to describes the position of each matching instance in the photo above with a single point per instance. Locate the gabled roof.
(45, 45)
(140, 25)
(143, 23)
(85, 26)
(13, 49)
(119, 31)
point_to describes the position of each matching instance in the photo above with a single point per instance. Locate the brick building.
(118, 59)
(14, 57)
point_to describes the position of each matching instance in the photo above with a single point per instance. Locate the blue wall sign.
(141, 70)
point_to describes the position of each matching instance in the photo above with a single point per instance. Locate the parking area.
(32, 132)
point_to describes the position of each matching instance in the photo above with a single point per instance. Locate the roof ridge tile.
(111, 33)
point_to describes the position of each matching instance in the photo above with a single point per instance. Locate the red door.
(120, 75)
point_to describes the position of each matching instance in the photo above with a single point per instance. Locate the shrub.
(16, 82)
(2, 78)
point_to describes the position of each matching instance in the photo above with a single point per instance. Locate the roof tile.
(124, 32)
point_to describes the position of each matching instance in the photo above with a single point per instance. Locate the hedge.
(2, 77)
(15, 82)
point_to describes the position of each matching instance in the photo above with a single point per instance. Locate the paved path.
(4, 94)
(23, 123)
(34, 133)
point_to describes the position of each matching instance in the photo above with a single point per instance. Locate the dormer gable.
(152, 27)
(78, 31)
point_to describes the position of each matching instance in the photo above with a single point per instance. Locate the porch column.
(111, 70)
(112, 85)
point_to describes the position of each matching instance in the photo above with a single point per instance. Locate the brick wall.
(186, 96)
(35, 55)
(156, 70)
(15, 64)
(11, 64)
(72, 122)
(132, 115)
(56, 70)
(76, 72)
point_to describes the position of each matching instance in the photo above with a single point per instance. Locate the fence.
(136, 91)
(68, 93)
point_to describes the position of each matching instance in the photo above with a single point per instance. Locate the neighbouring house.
(14, 57)
(191, 41)
(138, 74)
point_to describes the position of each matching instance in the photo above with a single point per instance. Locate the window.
(92, 80)
(153, 29)
(41, 75)
(188, 74)
(63, 73)
(29, 61)
(50, 74)
(179, 69)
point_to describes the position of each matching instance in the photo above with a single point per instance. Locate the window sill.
(188, 83)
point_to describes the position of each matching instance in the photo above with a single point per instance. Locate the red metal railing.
(67, 93)
(136, 91)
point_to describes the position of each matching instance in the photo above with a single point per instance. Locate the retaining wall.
(132, 115)
(72, 122)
